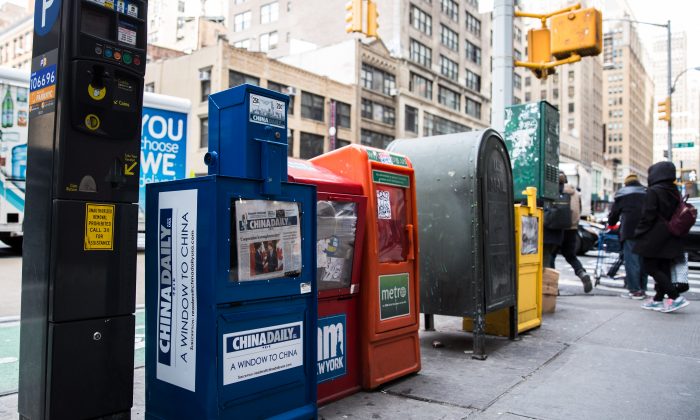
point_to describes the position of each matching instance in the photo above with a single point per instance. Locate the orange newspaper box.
(389, 305)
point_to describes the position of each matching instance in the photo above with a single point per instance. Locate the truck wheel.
(14, 242)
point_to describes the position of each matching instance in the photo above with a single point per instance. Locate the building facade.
(16, 44)
(628, 106)
(212, 69)
(180, 24)
(441, 47)
(684, 113)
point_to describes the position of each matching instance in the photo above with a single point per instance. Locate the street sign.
(683, 145)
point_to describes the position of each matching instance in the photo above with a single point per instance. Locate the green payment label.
(390, 178)
(394, 296)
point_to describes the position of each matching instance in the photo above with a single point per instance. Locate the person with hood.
(570, 235)
(655, 243)
(627, 209)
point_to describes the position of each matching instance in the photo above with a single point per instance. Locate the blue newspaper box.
(231, 277)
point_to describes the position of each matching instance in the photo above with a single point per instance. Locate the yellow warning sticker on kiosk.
(99, 227)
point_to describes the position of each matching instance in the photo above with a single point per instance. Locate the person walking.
(627, 209)
(655, 243)
(570, 236)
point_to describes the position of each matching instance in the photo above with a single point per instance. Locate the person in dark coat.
(627, 209)
(655, 243)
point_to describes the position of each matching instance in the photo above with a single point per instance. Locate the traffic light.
(538, 51)
(665, 110)
(372, 15)
(353, 17)
(577, 32)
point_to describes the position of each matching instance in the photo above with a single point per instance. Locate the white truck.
(163, 148)
(580, 178)
(14, 91)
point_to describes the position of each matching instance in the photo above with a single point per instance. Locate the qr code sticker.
(383, 205)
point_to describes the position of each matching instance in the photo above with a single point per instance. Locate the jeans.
(635, 276)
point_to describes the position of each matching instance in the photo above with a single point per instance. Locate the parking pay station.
(79, 263)
(231, 275)
(389, 345)
(341, 210)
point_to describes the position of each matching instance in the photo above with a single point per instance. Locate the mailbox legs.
(429, 322)
(479, 351)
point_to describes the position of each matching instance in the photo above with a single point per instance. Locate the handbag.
(683, 218)
(679, 273)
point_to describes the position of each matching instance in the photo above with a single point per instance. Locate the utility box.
(389, 344)
(532, 137)
(467, 255)
(340, 219)
(231, 275)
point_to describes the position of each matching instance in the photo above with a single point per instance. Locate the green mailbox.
(532, 138)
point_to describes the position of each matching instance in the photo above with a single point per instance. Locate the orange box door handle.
(409, 232)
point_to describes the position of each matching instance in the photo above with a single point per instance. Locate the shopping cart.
(610, 256)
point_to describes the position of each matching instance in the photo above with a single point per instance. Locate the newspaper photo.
(268, 240)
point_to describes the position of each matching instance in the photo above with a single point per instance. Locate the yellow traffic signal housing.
(372, 19)
(579, 32)
(538, 51)
(353, 17)
(665, 110)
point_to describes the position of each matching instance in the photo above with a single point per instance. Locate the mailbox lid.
(306, 172)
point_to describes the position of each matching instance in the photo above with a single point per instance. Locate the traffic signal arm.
(544, 66)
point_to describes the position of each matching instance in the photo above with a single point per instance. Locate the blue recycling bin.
(231, 275)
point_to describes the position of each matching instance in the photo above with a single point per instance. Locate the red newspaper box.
(389, 344)
(341, 211)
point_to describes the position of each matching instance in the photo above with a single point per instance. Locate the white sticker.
(267, 111)
(126, 35)
(304, 288)
(176, 306)
(132, 10)
(383, 205)
(333, 269)
(263, 351)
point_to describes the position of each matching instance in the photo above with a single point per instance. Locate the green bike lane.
(9, 351)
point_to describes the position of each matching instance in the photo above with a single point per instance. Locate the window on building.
(517, 55)
(342, 114)
(571, 107)
(241, 21)
(244, 44)
(268, 41)
(527, 97)
(290, 142)
(411, 119)
(204, 132)
(473, 53)
(279, 87)
(341, 143)
(473, 24)
(450, 8)
(421, 86)
(517, 81)
(235, 78)
(377, 80)
(571, 76)
(571, 91)
(374, 139)
(378, 112)
(421, 20)
(571, 124)
(528, 81)
(181, 6)
(435, 126)
(420, 53)
(555, 93)
(310, 145)
(473, 81)
(448, 97)
(205, 84)
(150, 87)
(449, 38)
(448, 68)
(269, 12)
(543, 95)
(312, 106)
(473, 108)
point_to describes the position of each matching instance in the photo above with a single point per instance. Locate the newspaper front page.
(268, 240)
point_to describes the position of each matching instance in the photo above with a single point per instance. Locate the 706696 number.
(43, 78)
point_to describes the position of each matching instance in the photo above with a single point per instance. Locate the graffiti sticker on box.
(254, 353)
(386, 157)
(267, 111)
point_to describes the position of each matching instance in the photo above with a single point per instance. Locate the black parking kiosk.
(79, 268)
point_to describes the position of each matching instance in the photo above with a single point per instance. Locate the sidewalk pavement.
(597, 357)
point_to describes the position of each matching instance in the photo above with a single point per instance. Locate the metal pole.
(502, 86)
(670, 92)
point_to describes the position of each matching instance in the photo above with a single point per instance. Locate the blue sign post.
(231, 275)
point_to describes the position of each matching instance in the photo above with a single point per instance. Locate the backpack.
(558, 215)
(682, 219)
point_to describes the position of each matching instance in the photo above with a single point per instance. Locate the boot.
(586, 280)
